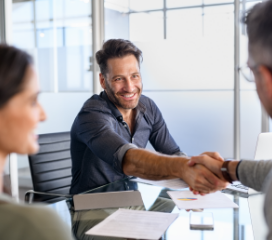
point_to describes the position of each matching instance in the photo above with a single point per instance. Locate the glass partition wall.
(58, 34)
(188, 68)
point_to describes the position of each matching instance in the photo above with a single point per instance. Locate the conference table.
(229, 223)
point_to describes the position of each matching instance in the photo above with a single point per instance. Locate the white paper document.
(171, 183)
(187, 200)
(134, 224)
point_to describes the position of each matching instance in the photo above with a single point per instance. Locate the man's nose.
(129, 87)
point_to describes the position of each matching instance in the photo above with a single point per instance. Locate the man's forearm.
(151, 165)
(254, 173)
(154, 166)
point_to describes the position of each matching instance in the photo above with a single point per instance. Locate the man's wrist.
(182, 166)
(232, 170)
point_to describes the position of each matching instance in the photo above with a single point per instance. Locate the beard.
(119, 102)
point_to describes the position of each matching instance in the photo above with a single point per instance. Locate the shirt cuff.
(237, 173)
(119, 155)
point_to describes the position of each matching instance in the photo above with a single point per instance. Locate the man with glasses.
(111, 131)
(254, 174)
(247, 73)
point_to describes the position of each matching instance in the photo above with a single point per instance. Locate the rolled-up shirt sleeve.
(120, 153)
(96, 130)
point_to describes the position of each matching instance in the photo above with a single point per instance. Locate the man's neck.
(127, 114)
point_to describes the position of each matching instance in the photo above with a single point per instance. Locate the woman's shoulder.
(32, 221)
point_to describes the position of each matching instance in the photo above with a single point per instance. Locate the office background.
(191, 51)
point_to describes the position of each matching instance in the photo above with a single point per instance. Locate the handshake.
(203, 173)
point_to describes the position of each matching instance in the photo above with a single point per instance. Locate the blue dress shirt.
(100, 138)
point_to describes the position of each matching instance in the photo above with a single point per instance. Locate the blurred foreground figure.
(20, 112)
(254, 174)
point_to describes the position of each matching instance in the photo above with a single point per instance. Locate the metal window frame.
(2, 22)
(98, 36)
(183, 8)
(236, 3)
(236, 130)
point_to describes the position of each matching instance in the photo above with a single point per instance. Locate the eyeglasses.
(247, 73)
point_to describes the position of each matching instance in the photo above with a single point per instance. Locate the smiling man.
(111, 131)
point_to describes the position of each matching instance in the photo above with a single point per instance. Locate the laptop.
(263, 151)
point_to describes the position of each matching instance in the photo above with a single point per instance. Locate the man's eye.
(135, 76)
(118, 79)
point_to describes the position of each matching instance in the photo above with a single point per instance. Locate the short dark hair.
(13, 66)
(116, 48)
(259, 30)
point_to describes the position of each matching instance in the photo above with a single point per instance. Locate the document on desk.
(134, 224)
(187, 200)
(175, 183)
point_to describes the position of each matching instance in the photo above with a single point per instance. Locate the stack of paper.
(187, 200)
(134, 224)
(171, 183)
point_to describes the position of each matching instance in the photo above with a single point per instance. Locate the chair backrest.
(51, 167)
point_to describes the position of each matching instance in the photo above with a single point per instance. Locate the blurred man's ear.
(102, 80)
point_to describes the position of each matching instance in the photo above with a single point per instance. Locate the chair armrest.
(31, 193)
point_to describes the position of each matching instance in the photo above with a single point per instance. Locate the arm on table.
(150, 165)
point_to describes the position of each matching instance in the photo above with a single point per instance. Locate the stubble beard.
(117, 101)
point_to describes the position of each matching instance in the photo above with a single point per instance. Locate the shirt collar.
(140, 107)
(112, 107)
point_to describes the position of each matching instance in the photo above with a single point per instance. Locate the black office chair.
(51, 169)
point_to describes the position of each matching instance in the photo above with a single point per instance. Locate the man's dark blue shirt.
(100, 138)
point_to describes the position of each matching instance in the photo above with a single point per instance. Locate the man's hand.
(201, 179)
(212, 161)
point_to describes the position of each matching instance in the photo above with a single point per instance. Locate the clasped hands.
(204, 174)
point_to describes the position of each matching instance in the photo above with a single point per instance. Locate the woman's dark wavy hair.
(116, 48)
(13, 66)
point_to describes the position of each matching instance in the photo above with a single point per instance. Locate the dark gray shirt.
(258, 175)
(100, 139)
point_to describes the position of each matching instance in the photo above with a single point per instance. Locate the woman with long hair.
(20, 112)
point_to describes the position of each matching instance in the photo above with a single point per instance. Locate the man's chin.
(128, 106)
